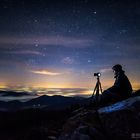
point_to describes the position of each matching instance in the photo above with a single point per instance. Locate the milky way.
(60, 44)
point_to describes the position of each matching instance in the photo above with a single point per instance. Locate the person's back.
(121, 89)
(122, 86)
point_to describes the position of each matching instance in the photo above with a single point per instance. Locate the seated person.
(121, 89)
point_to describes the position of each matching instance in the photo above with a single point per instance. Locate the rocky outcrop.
(84, 125)
(118, 121)
(121, 120)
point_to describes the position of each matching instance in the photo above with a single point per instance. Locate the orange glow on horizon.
(30, 87)
(2, 85)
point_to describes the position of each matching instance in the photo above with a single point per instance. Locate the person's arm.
(116, 86)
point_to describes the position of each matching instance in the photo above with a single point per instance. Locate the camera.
(98, 74)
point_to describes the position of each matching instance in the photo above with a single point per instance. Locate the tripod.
(97, 90)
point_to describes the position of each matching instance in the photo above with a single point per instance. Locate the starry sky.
(62, 43)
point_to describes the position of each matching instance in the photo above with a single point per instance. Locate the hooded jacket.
(122, 85)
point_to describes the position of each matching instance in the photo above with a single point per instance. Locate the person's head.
(117, 69)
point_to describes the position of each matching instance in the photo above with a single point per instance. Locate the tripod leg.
(100, 87)
(95, 90)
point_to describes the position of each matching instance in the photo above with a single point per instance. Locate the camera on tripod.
(98, 88)
(98, 74)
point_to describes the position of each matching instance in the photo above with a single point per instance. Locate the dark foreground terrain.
(120, 120)
(31, 124)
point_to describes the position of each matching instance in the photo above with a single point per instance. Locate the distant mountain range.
(44, 102)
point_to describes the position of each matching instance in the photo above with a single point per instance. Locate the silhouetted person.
(121, 89)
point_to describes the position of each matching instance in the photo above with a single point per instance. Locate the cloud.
(69, 92)
(68, 60)
(24, 52)
(105, 70)
(45, 72)
(47, 40)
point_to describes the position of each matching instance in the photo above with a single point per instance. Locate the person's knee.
(106, 92)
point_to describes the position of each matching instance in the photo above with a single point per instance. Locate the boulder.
(84, 125)
(122, 119)
(117, 121)
(82, 118)
(96, 134)
(79, 136)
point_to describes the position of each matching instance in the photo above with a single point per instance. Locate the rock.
(51, 137)
(82, 126)
(118, 121)
(95, 134)
(136, 93)
(35, 134)
(78, 136)
(121, 120)
(83, 129)
(83, 118)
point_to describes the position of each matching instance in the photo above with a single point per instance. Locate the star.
(36, 45)
(43, 55)
(95, 12)
(117, 47)
(35, 20)
(123, 31)
(82, 34)
(89, 61)
(69, 31)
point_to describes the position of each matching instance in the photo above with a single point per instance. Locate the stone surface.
(117, 121)
(122, 119)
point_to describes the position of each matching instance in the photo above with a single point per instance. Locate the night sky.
(60, 44)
